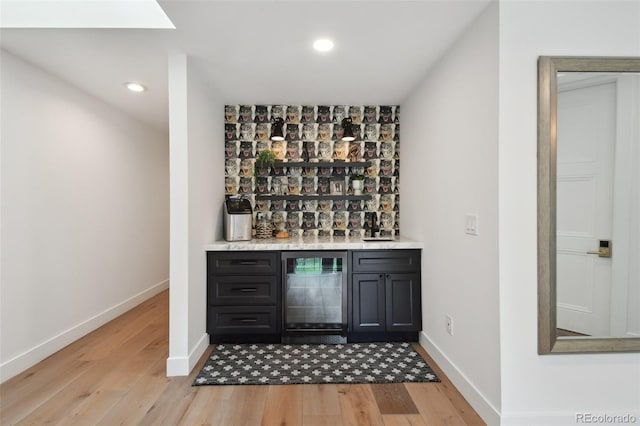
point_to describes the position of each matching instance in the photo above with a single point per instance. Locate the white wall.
(449, 163)
(206, 194)
(178, 361)
(548, 389)
(197, 192)
(84, 217)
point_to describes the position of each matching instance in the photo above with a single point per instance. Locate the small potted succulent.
(356, 183)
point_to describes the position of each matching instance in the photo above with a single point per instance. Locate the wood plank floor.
(116, 376)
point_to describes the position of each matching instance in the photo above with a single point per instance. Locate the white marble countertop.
(314, 243)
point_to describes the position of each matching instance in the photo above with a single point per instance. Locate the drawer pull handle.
(246, 290)
(244, 262)
(245, 320)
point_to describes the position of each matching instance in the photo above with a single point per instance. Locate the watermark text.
(590, 418)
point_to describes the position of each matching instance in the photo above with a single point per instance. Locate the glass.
(314, 293)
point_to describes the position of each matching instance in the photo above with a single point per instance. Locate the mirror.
(588, 204)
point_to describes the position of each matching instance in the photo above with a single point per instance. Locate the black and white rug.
(278, 364)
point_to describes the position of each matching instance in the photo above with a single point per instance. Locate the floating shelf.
(314, 197)
(335, 163)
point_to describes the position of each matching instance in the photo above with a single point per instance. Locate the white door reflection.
(598, 188)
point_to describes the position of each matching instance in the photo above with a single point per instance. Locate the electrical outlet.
(449, 322)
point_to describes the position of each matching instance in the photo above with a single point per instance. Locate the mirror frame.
(548, 67)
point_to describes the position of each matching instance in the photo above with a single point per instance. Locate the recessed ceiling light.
(135, 87)
(323, 45)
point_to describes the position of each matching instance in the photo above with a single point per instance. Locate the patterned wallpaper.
(313, 134)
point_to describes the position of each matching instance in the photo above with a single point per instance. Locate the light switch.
(471, 224)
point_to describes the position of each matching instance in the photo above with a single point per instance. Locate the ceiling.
(256, 51)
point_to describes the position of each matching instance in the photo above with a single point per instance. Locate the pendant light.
(347, 124)
(276, 130)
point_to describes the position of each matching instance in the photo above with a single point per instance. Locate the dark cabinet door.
(368, 302)
(403, 312)
(386, 302)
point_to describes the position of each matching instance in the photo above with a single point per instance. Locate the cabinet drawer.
(385, 261)
(242, 320)
(242, 262)
(242, 290)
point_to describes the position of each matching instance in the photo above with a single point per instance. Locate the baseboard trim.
(47, 348)
(474, 397)
(182, 366)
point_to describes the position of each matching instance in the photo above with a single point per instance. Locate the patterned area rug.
(279, 364)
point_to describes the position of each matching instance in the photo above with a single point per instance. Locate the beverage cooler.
(314, 296)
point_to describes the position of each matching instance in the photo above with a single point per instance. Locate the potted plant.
(356, 183)
(265, 159)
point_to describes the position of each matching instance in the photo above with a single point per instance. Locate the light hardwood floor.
(116, 376)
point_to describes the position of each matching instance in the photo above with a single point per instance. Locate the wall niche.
(309, 188)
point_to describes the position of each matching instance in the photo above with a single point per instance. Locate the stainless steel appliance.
(238, 218)
(314, 297)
